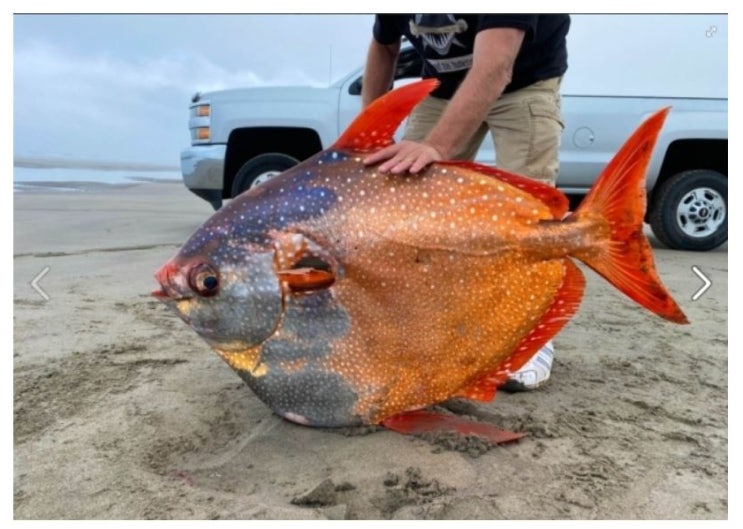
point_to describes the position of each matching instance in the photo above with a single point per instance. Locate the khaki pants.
(525, 124)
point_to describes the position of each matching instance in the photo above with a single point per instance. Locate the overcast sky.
(117, 87)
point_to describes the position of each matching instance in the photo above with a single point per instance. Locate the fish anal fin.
(374, 128)
(421, 421)
(482, 389)
(563, 307)
(548, 195)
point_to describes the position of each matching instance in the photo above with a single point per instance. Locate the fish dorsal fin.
(374, 127)
(548, 195)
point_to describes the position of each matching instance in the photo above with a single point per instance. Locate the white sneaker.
(533, 373)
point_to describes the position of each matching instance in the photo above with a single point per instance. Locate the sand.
(121, 411)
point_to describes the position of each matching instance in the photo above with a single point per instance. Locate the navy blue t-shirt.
(446, 41)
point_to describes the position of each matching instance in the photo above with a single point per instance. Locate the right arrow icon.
(707, 283)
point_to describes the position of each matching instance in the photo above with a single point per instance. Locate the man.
(498, 72)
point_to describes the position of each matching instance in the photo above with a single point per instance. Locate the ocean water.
(73, 179)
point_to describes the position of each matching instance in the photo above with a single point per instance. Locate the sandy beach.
(122, 411)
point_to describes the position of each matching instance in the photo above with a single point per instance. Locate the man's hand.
(406, 156)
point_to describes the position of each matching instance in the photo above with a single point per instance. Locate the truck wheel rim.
(700, 212)
(264, 177)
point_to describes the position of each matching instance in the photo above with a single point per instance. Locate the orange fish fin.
(306, 279)
(374, 127)
(618, 197)
(563, 307)
(298, 265)
(482, 389)
(548, 195)
(421, 421)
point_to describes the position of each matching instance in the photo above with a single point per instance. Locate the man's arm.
(494, 53)
(379, 70)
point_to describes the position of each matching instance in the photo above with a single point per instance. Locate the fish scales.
(419, 269)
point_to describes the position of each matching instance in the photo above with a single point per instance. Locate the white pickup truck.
(241, 137)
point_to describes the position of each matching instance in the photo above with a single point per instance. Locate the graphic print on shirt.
(439, 33)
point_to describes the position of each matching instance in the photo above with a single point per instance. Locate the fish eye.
(204, 280)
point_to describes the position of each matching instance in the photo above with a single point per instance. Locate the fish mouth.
(168, 278)
(161, 295)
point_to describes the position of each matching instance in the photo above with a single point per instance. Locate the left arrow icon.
(35, 283)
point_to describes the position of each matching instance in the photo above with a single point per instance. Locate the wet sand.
(121, 411)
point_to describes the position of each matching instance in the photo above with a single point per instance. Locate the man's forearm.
(379, 71)
(494, 55)
(465, 112)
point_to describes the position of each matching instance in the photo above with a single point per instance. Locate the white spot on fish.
(299, 419)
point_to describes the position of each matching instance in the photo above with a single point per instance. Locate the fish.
(343, 296)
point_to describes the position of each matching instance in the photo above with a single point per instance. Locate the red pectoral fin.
(306, 279)
(420, 421)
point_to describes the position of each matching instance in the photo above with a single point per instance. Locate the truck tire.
(690, 210)
(260, 169)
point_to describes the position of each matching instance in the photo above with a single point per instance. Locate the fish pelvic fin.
(422, 422)
(374, 127)
(618, 199)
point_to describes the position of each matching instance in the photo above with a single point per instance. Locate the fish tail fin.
(375, 127)
(618, 199)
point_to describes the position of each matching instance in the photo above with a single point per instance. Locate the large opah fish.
(344, 296)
